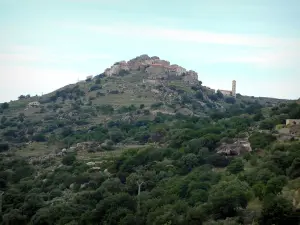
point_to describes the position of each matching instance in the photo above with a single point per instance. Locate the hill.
(145, 142)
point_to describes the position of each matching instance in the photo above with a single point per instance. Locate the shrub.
(199, 95)
(5, 105)
(69, 159)
(39, 138)
(261, 140)
(156, 105)
(4, 147)
(213, 97)
(230, 100)
(95, 87)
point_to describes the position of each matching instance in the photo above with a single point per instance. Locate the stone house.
(191, 77)
(175, 70)
(116, 68)
(34, 104)
(156, 69)
(292, 122)
(226, 93)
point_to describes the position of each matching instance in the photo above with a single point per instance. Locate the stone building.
(156, 69)
(230, 93)
(293, 122)
(226, 92)
(34, 104)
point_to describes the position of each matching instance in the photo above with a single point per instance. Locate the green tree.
(69, 159)
(294, 170)
(230, 100)
(199, 95)
(5, 105)
(235, 166)
(227, 197)
(277, 210)
(220, 94)
(275, 185)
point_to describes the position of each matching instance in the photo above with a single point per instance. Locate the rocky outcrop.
(238, 147)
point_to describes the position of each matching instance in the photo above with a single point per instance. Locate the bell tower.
(234, 88)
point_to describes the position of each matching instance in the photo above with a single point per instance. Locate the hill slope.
(121, 149)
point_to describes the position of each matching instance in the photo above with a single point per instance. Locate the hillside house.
(156, 69)
(191, 77)
(175, 70)
(34, 104)
(293, 122)
(226, 93)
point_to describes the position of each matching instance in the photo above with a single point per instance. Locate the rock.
(90, 163)
(238, 147)
(82, 186)
(96, 168)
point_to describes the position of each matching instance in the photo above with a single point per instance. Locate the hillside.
(145, 142)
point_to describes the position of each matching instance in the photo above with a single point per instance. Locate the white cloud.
(265, 51)
(41, 54)
(195, 36)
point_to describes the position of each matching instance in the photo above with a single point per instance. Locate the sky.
(47, 44)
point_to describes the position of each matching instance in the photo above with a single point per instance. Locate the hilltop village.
(156, 68)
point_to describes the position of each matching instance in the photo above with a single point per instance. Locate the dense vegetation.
(179, 179)
(163, 168)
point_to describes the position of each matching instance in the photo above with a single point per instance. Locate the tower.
(234, 88)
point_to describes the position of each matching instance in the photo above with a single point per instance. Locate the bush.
(213, 97)
(5, 105)
(261, 140)
(156, 105)
(199, 95)
(39, 138)
(95, 87)
(230, 100)
(235, 166)
(220, 94)
(123, 73)
(4, 147)
(98, 81)
(69, 159)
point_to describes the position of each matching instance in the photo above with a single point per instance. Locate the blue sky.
(48, 44)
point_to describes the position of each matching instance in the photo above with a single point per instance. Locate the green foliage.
(39, 138)
(95, 87)
(4, 147)
(261, 140)
(278, 210)
(156, 105)
(220, 94)
(105, 109)
(199, 95)
(69, 159)
(294, 170)
(227, 197)
(275, 185)
(213, 97)
(235, 166)
(230, 100)
(173, 159)
(4, 105)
